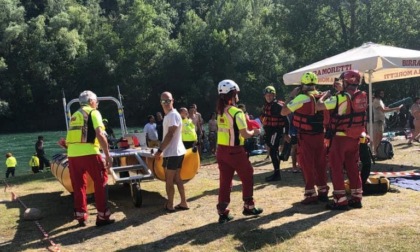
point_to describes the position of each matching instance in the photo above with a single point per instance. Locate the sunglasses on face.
(269, 91)
(165, 101)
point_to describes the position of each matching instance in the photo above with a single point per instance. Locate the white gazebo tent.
(376, 62)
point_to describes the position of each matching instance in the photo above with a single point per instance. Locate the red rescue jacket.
(307, 120)
(353, 122)
(271, 116)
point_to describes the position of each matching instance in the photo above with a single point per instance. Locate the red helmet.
(351, 77)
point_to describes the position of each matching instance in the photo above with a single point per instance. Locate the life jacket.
(34, 161)
(353, 122)
(306, 119)
(227, 130)
(271, 116)
(81, 127)
(188, 130)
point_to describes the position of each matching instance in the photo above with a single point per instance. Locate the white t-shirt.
(151, 132)
(378, 115)
(175, 147)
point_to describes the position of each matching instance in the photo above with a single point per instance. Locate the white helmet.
(225, 86)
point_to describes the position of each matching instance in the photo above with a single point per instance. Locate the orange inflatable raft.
(190, 166)
(60, 169)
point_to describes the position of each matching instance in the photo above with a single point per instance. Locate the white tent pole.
(371, 111)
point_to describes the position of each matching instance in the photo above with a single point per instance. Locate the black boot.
(275, 177)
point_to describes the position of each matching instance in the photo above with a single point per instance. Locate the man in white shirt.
(172, 149)
(151, 133)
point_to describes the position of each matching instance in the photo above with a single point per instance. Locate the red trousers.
(344, 151)
(79, 167)
(233, 159)
(311, 156)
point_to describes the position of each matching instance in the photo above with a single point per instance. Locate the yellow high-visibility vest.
(11, 162)
(34, 161)
(188, 130)
(81, 137)
(228, 126)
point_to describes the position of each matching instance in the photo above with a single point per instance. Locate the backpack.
(385, 150)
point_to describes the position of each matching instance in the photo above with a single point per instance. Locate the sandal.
(181, 208)
(168, 209)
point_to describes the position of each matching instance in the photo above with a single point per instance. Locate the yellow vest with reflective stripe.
(77, 135)
(11, 162)
(188, 130)
(229, 124)
(34, 161)
(78, 126)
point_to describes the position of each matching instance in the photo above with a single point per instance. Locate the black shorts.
(173, 163)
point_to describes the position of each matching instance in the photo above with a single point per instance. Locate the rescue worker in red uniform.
(231, 156)
(85, 137)
(276, 128)
(311, 153)
(365, 155)
(347, 124)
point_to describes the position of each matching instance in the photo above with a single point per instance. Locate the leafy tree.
(186, 47)
(145, 44)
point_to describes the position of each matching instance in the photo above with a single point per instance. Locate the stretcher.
(132, 163)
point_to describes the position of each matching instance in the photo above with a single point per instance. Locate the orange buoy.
(189, 168)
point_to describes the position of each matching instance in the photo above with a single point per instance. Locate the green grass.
(385, 223)
(22, 146)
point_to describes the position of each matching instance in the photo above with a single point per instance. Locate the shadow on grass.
(288, 179)
(60, 214)
(56, 211)
(247, 231)
(119, 201)
(259, 163)
(20, 179)
(402, 145)
(379, 166)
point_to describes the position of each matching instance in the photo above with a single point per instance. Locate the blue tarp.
(412, 182)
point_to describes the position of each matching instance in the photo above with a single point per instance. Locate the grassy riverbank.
(387, 222)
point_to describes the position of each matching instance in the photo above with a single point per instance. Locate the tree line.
(144, 47)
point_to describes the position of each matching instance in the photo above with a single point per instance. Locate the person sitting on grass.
(34, 163)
